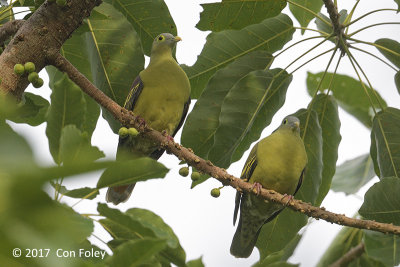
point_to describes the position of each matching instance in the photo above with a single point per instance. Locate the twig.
(9, 28)
(351, 255)
(127, 118)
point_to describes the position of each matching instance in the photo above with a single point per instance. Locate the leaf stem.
(370, 26)
(85, 197)
(376, 45)
(311, 29)
(375, 56)
(367, 14)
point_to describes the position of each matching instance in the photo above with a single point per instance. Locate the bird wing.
(136, 89)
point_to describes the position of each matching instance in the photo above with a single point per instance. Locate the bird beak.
(297, 124)
(177, 39)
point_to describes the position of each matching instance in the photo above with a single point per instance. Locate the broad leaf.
(84, 192)
(195, 263)
(385, 143)
(278, 233)
(280, 256)
(148, 18)
(349, 93)
(397, 81)
(304, 16)
(381, 247)
(131, 171)
(322, 26)
(390, 49)
(381, 202)
(328, 117)
(353, 174)
(32, 110)
(115, 55)
(311, 133)
(232, 14)
(225, 47)
(67, 107)
(203, 121)
(246, 110)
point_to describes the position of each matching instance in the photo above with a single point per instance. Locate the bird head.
(164, 43)
(292, 123)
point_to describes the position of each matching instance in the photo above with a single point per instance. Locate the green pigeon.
(160, 96)
(276, 162)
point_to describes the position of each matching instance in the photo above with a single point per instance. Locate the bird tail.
(118, 194)
(244, 241)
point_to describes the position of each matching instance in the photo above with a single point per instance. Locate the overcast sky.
(204, 224)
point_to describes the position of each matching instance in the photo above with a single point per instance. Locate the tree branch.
(334, 16)
(351, 255)
(9, 28)
(127, 118)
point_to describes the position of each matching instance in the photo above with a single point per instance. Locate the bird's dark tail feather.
(119, 194)
(239, 247)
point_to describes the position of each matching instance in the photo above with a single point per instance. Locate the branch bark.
(9, 29)
(47, 29)
(351, 255)
(128, 119)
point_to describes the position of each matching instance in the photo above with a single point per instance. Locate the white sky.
(204, 224)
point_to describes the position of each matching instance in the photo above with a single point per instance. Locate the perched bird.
(277, 162)
(160, 95)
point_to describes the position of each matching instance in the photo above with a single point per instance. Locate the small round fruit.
(29, 67)
(61, 2)
(195, 176)
(33, 77)
(133, 132)
(19, 69)
(38, 83)
(215, 192)
(184, 171)
(123, 131)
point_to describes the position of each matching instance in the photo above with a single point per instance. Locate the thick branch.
(9, 29)
(128, 119)
(334, 16)
(351, 255)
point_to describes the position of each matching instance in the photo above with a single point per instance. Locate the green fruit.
(29, 67)
(215, 192)
(33, 77)
(123, 131)
(184, 171)
(38, 83)
(133, 132)
(19, 69)
(61, 2)
(195, 176)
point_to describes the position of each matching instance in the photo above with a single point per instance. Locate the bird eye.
(284, 121)
(161, 37)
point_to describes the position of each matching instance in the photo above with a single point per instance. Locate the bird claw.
(290, 197)
(256, 188)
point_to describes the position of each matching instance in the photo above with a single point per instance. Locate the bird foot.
(170, 138)
(290, 197)
(141, 121)
(256, 188)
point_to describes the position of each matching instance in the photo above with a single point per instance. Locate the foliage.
(237, 94)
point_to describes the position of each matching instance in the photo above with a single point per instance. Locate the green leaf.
(398, 4)
(311, 133)
(67, 106)
(345, 240)
(131, 171)
(277, 234)
(322, 26)
(381, 202)
(280, 256)
(385, 143)
(202, 122)
(328, 117)
(353, 174)
(32, 111)
(381, 247)
(349, 93)
(225, 47)
(76, 193)
(148, 18)
(390, 49)
(75, 147)
(303, 16)
(115, 54)
(232, 14)
(136, 252)
(246, 110)
(195, 263)
(397, 81)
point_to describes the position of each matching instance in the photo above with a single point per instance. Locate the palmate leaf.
(303, 16)
(246, 110)
(225, 47)
(203, 121)
(115, 55)
(349, 94)
(232, 14)
(385, 143)
(148, 18)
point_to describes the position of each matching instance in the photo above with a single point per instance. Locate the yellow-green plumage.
(277, 162)
(160, 95)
